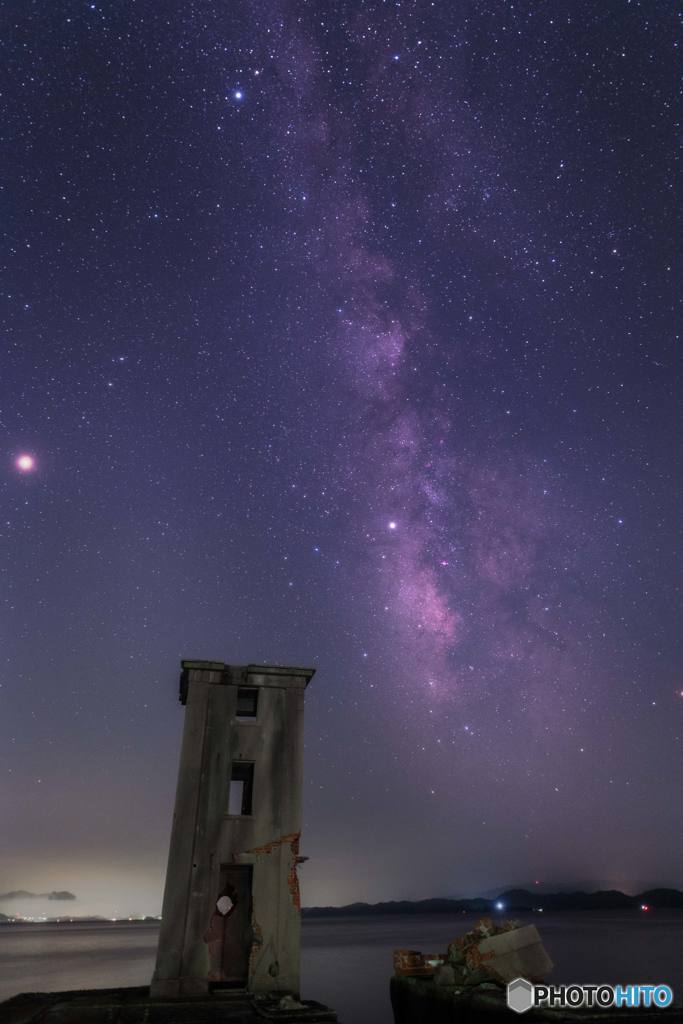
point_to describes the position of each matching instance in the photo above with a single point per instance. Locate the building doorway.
(237, 930)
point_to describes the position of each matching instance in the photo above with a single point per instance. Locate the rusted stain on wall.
(256, 943)
(292, 876)
(292, 840)
(274, 843)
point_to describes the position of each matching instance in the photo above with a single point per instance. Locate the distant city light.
(500, 906)
(645, 906)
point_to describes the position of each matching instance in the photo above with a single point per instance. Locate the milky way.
(345, 334)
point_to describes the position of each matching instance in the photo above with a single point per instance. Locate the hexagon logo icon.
(520, 995)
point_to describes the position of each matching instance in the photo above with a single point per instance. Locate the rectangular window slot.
(247, 703)
(241, 788)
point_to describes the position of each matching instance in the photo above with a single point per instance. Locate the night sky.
(344, 334)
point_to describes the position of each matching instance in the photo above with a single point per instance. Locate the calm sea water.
(346, 962)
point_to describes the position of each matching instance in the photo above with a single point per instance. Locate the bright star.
(392, 525)
(238, 94)
(25, 463)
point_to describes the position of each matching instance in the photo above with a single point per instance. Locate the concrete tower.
(231, 912)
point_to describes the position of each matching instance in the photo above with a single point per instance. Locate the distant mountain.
(610, 899)
(432, 906)
(519, 899)
(511, 900)
(662, 898)
(558, 886)
(22, 894)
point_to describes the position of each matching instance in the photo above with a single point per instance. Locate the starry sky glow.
(345, 334)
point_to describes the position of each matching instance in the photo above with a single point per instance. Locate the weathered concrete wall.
(205, 837)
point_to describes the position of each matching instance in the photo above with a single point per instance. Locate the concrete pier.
(134, 1006)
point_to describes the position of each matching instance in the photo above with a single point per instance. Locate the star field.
(345, 334)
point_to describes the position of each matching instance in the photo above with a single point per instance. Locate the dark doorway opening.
(237, 930)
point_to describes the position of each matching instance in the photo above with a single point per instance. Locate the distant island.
(22, 894)
(510, 901)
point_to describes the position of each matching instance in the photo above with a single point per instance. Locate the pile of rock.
(488, 955)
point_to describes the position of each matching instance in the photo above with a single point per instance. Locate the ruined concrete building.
(231, 912)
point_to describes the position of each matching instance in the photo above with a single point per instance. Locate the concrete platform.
(134, 1006)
